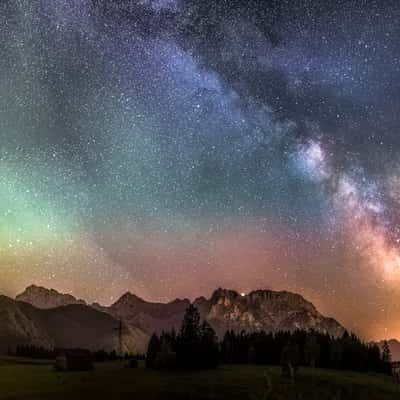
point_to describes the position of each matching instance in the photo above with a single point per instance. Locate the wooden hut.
(74, 360)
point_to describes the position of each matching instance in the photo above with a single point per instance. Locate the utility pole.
(119, 329)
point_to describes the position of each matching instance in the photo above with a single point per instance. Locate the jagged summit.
(263, 310)
(129, 298)
(42, 297)
(261, 295)
(227, 293)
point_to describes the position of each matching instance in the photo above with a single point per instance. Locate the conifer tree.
(153, 349)
(209, 349)
(188, 341)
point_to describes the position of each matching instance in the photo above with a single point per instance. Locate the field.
(24, 379)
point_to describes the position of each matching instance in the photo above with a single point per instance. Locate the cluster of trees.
(195, 346)
(304, 348)
(31, 351)
(38, 352)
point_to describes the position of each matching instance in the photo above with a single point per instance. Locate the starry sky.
(169, 147)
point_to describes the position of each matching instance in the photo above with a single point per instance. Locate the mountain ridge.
(264, 310)
(44, 298)
(261, 309)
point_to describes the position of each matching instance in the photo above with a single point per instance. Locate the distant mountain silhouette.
(150, 317)
(55, 319)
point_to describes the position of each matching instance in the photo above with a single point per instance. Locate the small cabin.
(396, 370)
(74, 360)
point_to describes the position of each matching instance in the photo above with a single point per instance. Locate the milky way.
(169, 147)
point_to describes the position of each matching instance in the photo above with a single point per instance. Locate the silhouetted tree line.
(308, 348)
(31, 351)
(196, 346)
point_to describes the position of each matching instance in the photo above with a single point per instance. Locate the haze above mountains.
(48, 318)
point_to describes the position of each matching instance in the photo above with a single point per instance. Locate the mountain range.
(48, 318)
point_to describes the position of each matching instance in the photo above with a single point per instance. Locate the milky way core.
(170, 147)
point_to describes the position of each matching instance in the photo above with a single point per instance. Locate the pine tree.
(209, 349)
(227, 347)
(312, 350)
(188, 340)
(153, 349)
(190, 328)
(335, 354)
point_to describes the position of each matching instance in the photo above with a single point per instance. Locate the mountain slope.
(17, 327)
(41, 297)
(264, 310)
(70, 326)
(150, 317)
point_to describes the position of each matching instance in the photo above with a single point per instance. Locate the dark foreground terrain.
(24, 379)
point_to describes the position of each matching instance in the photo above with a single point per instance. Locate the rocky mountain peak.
(128, 298)
(220, 294)
(263, 310)
(41, 297)
(283, 298)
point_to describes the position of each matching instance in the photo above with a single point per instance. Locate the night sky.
(169, 147)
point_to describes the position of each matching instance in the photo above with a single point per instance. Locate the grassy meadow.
(27, 379)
